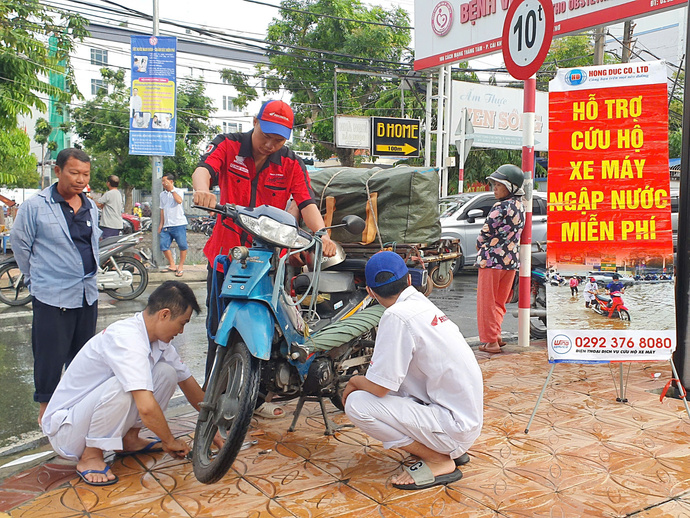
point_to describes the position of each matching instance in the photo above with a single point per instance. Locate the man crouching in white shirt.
(121, 380)
(423, 391)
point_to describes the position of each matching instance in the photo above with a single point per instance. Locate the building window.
(229, 103)
(231, 127)
(98, 85)
(99, 57)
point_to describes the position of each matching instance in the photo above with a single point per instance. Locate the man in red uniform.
(253, 169)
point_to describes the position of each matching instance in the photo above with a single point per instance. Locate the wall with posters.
(609, 211)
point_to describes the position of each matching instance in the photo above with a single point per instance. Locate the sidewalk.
(192, 273)
(585, 456)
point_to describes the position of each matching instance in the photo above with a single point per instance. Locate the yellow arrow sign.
(405, 149)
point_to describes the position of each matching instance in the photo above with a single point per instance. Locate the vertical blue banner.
(153, 100)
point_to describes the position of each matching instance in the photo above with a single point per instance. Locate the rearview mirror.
(354, 224)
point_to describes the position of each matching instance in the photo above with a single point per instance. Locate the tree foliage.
(17, 163)
(103, 125)
(26, 59)
(310, 75)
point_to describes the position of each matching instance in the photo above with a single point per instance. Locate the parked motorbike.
(538, 279)
(610, 306)
(296, 336)
(121, 273)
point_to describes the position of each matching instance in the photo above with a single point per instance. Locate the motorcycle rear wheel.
(624, 315)
(9, 293)
(227, 408)
(537, 325)
(140, 277)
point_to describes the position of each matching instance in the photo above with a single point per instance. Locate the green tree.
(26, 60)
(336, 29)
(17, 163)
(103, 125)
(42, 131)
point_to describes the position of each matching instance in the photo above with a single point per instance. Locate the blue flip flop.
(149, 448)
(104, 471)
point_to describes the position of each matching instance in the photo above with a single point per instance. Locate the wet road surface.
(16, 361)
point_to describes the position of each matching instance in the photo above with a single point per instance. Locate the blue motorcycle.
(294, 334)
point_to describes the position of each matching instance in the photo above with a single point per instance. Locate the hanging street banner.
(153, 100)
(496, 115)
(609, 215)
(395, 137)
(447, 31)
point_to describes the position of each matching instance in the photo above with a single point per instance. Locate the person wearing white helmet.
(498, 258)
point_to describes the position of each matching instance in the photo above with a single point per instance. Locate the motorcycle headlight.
(274, 232)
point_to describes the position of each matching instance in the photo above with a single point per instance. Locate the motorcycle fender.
(254, 321)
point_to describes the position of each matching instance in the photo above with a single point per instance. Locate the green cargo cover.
(407, 201)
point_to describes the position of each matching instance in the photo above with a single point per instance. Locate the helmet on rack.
(511, 176)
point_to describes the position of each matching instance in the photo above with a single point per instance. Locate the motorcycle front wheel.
(227, 409)
(624, 315)
(140, 277)
(13, 292)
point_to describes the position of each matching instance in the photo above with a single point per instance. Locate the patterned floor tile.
(41, 478)
(11, 499)
(672, 509)
(160, 507)
(334, 499)
(130, 491)
(60, 503)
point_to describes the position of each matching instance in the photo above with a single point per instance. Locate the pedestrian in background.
(173, 225)
(498, 254)
(591, 289)
(111, 206)
(55, 242)
(574, 282)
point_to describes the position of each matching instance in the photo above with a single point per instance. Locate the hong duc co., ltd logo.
(576, 77)
(442, 18)
(561, 344)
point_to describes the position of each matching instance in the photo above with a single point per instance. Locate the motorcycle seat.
(329, 282)
(604, 298)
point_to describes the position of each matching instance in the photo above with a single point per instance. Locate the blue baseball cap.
(385, 262)
(276, 117)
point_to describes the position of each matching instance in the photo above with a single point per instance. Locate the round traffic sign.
(527, 33)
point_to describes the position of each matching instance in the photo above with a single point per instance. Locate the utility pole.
(599, 44)
(627, 41)
(680, 356)
(156, 177)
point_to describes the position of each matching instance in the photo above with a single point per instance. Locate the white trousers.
(398, 421)
(103, 417)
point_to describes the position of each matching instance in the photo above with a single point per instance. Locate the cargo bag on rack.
(400, 205)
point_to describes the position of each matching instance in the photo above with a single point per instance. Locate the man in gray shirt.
(111, 206)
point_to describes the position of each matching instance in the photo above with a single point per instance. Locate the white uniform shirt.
(173, 212)
(122, 350)
(590, 290)
(420, 353)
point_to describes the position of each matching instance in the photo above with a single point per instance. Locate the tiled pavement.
(585, 456)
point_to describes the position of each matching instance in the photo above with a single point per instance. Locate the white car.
(463, 216)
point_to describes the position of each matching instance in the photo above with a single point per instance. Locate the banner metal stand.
(621, 398)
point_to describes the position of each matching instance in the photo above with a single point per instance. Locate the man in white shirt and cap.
(423, 391)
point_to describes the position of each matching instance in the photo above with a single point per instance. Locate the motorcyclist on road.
(615, 285)
(591, 289)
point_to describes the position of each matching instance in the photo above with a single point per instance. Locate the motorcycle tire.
(537, 325)
(140, 278)
(358, 350)
(227, 408)
(9, 293)
(624, 315)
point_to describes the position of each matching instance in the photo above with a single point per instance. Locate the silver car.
(463, 216)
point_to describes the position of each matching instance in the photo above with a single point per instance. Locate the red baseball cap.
(276, 117)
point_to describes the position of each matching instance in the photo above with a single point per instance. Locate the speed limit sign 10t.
(527, 33)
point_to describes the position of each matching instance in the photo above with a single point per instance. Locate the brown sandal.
(492, 348)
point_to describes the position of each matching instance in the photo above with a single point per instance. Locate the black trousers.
(57, 335)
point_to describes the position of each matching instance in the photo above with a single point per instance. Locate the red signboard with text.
(609, 213)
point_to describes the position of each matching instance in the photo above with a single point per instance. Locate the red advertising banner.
(609, 214)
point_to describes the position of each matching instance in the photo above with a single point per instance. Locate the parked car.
(463, 216)
(603, 278)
